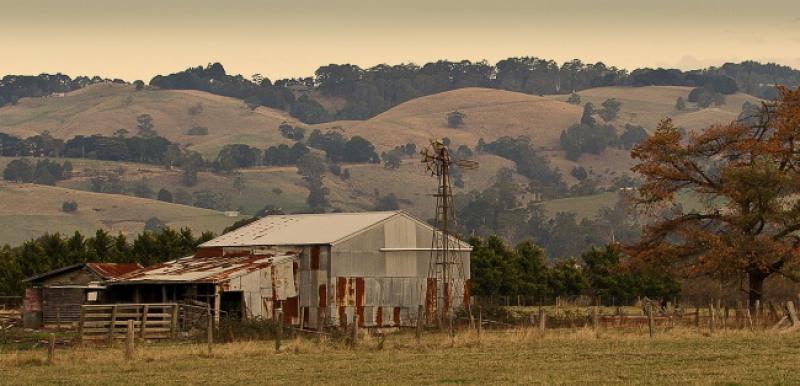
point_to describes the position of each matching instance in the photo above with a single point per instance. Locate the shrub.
(164, 195)
(69, 206)
(198, 130)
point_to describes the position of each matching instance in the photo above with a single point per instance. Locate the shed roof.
(300, 229)
(202, 269)
(104, 270)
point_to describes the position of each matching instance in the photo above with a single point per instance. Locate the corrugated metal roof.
(112, 270)
(104, 270)
(201, 270)
(300, 229)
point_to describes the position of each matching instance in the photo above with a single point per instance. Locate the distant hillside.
(489, 114)
(648, 105)
(28, 211)
(105, 108)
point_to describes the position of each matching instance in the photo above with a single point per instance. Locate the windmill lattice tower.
(446, 268)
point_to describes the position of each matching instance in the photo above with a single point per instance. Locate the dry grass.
(489, 114)
(581, 356)
(28, 210)
(104, 108)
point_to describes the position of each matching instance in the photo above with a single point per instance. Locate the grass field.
(28, 211)
(490, 113)
(581, 357)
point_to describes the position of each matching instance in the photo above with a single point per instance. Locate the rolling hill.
(490, 113)
(28, 211)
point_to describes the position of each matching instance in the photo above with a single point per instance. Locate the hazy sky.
(138, 39)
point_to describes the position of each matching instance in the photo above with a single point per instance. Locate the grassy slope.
(105, 108)
(678, 357)
(28, 211)
(489, 114)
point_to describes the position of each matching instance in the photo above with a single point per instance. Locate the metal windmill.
(446, 270)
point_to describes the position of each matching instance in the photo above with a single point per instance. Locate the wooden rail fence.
(110, 321)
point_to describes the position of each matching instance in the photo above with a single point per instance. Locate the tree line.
(55, 250)
(497, 269)
(14, 87)
(601, 273)
(370, 91)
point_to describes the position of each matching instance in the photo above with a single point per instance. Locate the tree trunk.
(755, 280)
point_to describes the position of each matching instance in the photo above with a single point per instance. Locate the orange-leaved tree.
(749, 171)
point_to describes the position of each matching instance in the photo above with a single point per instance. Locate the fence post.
(145, 311)
(595, 318)
(51, 349)
(471, 319)
(712, 322)
(129, 348)
(542, 320)
(650, 322)
(354, 331)
(279, 332)
(420, 316)
(749, 319)
(792, 314)
(452, 329)
(174, 327)
(81, 319)
(302, 317)
(209, 333)
(725, 317)
(58, 318)
(320, 321)
(112, 324)
(757, 313)
(480, 323)
(697, 317)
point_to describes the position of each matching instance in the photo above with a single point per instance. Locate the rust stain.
(323, 297)
(341, 290)
(379, 317)
(396, 316)
(315, 258)
(223, 266)
(360, 312)
(360, 292)
(208, 252)
(430, 298)
(112, 270)
(290, 310)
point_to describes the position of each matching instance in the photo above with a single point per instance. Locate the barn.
(56, 296)
(312, 268)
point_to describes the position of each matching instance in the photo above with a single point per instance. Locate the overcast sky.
(138, 39)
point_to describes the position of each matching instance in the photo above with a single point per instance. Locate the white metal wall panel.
(401, 263)
(400, 232)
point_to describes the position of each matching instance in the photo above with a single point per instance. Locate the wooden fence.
(110, 321)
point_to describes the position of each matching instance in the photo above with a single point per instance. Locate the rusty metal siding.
(313, 282)
(395, 282)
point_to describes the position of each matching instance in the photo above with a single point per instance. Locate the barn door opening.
(232, 304)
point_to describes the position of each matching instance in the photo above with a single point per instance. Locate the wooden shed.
(56, 296)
